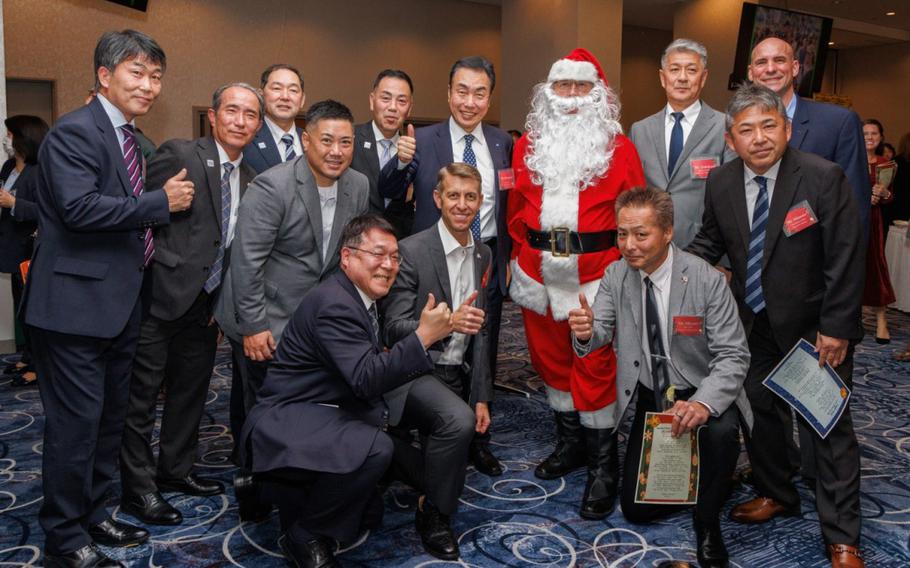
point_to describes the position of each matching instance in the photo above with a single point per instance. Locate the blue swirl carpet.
(512, 520)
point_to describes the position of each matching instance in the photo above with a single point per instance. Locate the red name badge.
(688, 325)
(506, 179)
(798, 218)
(701, 166)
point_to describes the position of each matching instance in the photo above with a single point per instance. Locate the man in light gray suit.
(681, 346)
(683, 141)
(286, 242)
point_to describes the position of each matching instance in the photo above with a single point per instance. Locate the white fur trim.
(560, 401)
(599, 419)
(568, 70)
(560, 276)
(527, 292)
(559, 207)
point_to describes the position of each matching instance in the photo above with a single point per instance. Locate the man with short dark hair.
(317, 435)
(82, 294)
(178, 338)
(278, 139)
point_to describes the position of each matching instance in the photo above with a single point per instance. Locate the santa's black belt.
(563, 242)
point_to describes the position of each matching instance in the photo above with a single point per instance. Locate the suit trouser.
(181, 355)
(447, 425)
(315, 503)
(18, 286)
(84, 389)
(836, 457)
(246, 378)
(718, 444)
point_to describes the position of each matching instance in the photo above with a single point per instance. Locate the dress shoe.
(315, 553)
(761, 509)
(882, 340)
(675, 564)
(86, 557)
(599, 497)
(114, 533)
(151, 509)
(569, 453)
(484, 461)
(710, 549)
(435, 532)
(191, 485)
(845, 556)
(251, 509)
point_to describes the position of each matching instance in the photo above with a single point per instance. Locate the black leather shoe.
(191, 485)
(86, 557)
(251, 509)
(483, 459)
(316, 553)
(569, 454)
(436, 532)
(599, 497)
(115, 533)
(711, 552)
(151, 509)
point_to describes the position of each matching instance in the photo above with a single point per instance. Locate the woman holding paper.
(878, 292)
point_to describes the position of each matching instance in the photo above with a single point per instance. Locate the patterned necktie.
(374, 320)
(133, 159)
(755, 298)
(471, 159)
(289, 153)
(214, 279)
(386, 154)
(676, 142)
(659, 380)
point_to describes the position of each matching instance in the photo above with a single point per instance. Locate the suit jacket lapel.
(800, 123)
(632, 292)
(309, 195)
(444, 144)
(658, 136)
(367, 134)
(270, 152)
(698, 132)
(109, 135)
(737, 196)
(206, 153)
(679, 282)
(247, 173)
(784, 192)
(479, 271)
(438, 257)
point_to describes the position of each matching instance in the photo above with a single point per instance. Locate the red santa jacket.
(540, 279)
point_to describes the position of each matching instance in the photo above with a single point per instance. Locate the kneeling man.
(681, 346)
(316, 437)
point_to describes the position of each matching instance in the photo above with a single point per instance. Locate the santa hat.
(580, 65)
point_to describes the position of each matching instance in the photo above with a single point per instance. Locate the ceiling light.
(830, 43)
(891, 13)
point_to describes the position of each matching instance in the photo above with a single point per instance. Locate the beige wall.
(641, 93)
(338, 47)
(876, 78)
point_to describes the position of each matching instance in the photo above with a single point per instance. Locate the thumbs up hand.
(407, 146)
(581, 320)
(467, 319)
(179, 192)
(435, 322)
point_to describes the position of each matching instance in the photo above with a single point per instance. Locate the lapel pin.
(210, 163)
(262, 145)
(366, 144)
(685, 279)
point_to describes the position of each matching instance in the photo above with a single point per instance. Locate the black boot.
(569, 454)
(603, 474)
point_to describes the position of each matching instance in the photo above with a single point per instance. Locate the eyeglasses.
(566, 87)
(394, 257)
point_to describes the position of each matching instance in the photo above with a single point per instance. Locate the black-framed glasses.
(394, 257)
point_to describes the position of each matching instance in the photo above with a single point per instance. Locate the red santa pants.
(591, 380)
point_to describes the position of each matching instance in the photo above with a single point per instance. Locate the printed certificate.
(668, 468)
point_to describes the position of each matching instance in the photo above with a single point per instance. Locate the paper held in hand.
(668, 468)
(817, 393)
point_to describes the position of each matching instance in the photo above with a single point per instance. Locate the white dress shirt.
(328, 197)
(690, 114)
(234, 181)
(752, 186)
(487, 173)
(660, 279)
(277, 133)
(460, 264)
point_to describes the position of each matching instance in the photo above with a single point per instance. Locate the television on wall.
(141, 5)
(807, 33)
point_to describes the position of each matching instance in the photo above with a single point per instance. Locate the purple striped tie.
(134, 161)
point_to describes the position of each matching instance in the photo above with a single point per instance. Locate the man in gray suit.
(682, 142)
(681, 346)
(286, 242)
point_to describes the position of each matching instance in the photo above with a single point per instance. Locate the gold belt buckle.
(553, 250)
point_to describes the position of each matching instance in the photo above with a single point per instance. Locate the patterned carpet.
(512, 520)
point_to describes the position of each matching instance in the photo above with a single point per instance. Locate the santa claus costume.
(569, 168)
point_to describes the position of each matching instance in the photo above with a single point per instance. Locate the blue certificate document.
(817, 393)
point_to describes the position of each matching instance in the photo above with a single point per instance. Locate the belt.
(563, 242)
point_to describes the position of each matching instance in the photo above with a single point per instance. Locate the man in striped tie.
(278, 139)
(790, 227)
(81, 300)
(178, 333)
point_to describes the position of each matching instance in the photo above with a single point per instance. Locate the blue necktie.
(386, 154)
(214, 279)
(755, 299)
(471, 159)
(676, 142)
(289, 153)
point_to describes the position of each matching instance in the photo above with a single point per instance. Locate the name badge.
(506, 179)
(799, 218)
(688, 325)
(261, 145)
(210, 163)
(700, 167)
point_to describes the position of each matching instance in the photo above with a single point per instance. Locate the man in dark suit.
(178, 338)
(791, 280)
(278, 139)
(82, 295)
(464, 138)
(376, 144)
(317, 435)
(450, 405)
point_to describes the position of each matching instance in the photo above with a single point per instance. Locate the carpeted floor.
(512, 520)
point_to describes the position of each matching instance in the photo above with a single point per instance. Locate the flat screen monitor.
(140, 5)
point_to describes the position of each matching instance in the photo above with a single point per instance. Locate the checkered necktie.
(755, 299)
(471, 159)
(289, 153)
(133, 159)
(374, 320)
(214, 279)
